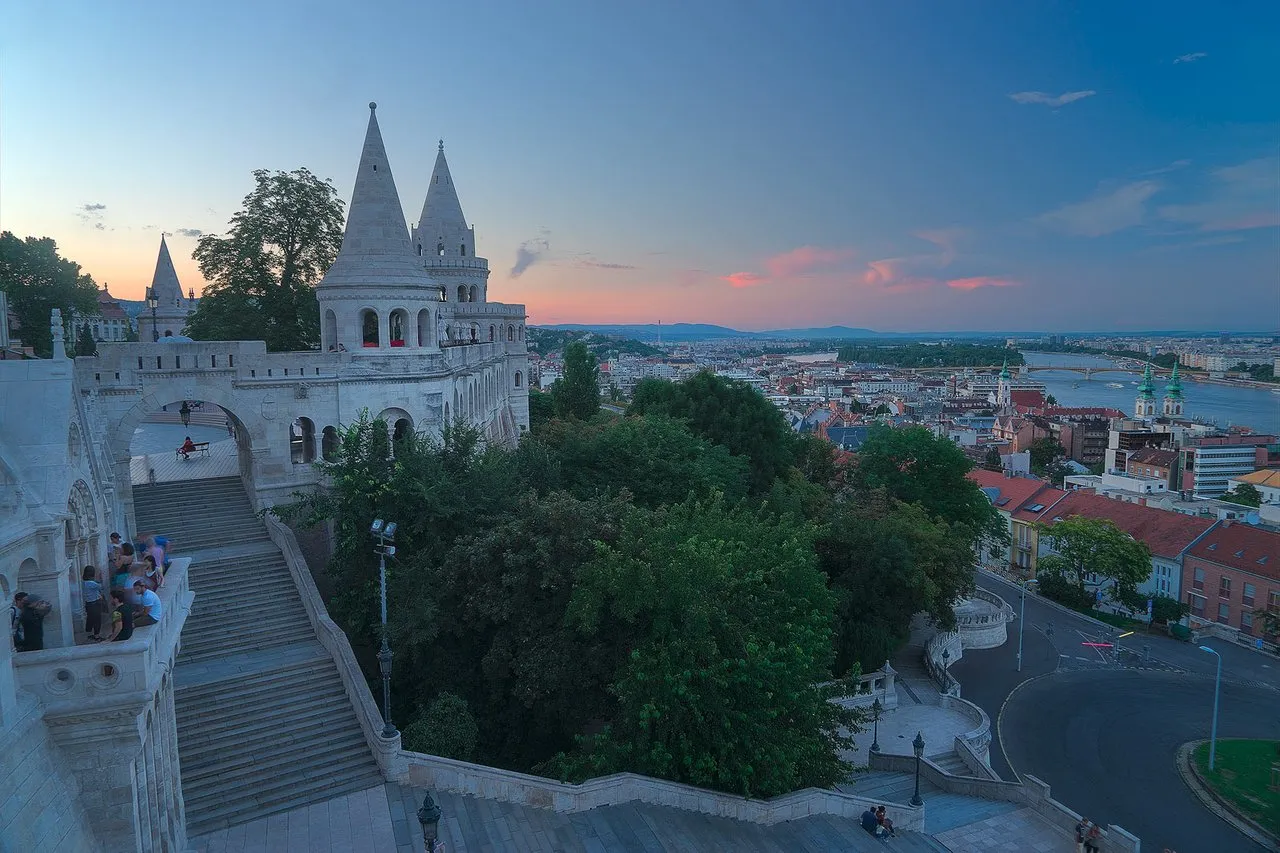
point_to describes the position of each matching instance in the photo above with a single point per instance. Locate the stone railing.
(1030, 792)
(70, 677)
(981, 619)
(491, 783)
(974, 745)
(940, 653)
(873, 686)
(385, 750)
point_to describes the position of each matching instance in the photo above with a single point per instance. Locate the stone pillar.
(55, 328)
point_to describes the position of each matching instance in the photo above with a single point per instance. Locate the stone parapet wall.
(460, 777)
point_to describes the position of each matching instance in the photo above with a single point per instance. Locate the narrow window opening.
(177, 362)
(139, 362)
(375, 167)
(268, 371)
(157, 362)
(253, 374)
(231, 361)
(463, 249)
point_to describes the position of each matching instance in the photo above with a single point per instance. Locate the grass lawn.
(1242, 775)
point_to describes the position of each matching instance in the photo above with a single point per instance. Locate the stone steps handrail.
(461, 777)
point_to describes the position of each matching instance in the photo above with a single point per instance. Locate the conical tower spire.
(442, 212)
(165, 285)
(1004, 370)
(1174, 388)
(375, 246)
(1147, 389)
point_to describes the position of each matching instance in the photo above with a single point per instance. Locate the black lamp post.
(386, 532)
(153, 303)
(876, 709)
(429, 819)
(918, 746)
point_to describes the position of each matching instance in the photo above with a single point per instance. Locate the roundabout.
(1107, 741)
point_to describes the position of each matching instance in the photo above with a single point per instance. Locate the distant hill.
(707, 331)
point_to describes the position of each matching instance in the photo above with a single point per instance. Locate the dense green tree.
(1086, 546)
(914, 466)
(541, 409)
(729, 413)
(655, 458)
(85, 344)
(36, 280)
(576, 394)
(930, 355)
(886, 562)
(1166, 609)
(1044, 452)
(1050, 400)
(262, 275)
(445, 728)
(724, 625)
(993, 461)
(1245, 494)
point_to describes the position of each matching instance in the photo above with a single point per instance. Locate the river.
(1223, 404)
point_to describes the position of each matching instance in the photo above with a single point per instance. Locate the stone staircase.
(943, 812)
(264, 723)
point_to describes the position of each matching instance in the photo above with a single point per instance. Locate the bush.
(446, 729)
(1063, 591)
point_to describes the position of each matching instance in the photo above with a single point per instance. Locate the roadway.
(1104, 735)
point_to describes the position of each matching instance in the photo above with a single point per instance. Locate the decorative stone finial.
(373, 105)
(58, 333)
(442, 146)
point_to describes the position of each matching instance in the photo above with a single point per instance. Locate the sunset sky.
(909, 166)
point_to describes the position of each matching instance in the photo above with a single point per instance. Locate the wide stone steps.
(943, 812)
(264, 722)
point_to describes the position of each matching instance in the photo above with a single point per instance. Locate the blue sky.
(897, 166)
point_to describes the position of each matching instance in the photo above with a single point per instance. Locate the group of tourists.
(136, 571)
(1088, 836)
(877, 823)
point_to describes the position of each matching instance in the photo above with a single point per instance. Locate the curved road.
(1106, 740)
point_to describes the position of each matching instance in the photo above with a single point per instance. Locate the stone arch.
(472, 293)
(330, 335)
(462, 293)
(492, 332)
(392, 414)
(424, 328)
(462, 250)
(518, 379)
(401, 430)
(302, 441)
(330, 444)
(370, 334)
(511, 333)
(398, 327)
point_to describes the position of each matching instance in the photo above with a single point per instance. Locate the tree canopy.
(262, 275)
(576, 394)
(36, 280)
(1245, 494)
(1084, 546)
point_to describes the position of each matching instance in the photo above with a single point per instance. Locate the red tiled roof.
(1030, 399)
(1067, 411)
(1013, 492)
(109, 308)
(1047, 499)
(1154, 456)
(1242, 547)
(1166, 533)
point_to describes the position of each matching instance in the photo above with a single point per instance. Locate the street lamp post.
(1022, 616)
(876, 709)
(386, 532)
(429, 820)
(1217, 686)
(153, 303)
(918, 746)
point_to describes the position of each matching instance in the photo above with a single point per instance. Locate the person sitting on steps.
(188, 447)
(883, 820)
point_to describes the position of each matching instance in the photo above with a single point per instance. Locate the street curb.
(1218, 805)
(1049, 601)
(1000, 719)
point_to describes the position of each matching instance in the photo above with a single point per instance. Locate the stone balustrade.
(491, 783)
(872, 686)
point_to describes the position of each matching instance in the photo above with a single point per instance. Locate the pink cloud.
(743, 279)
(981, 281)
(806, 259)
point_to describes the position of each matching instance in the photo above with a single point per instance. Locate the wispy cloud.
(1104, 212)
(743, 279)
(530, 252)
(806, 259)
(1164, 170)
(978, 281)
(1048, 100)
(1241, 198)
(92, 214)
(189, 232)
(1190, 57)
(590, 262)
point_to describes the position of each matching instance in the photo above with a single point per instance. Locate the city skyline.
(916, 168)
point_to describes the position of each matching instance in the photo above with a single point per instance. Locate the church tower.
(1004, 389)
(377, 296)
(1173, 395)
(172, 307)
(444, 241)
(1144, 406)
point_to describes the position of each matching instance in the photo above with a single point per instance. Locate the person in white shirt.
(148, 605)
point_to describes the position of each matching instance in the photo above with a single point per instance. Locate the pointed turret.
(1004, 370)
(446, 244)
(375, 246)
(1147, 388)
(165, 285)
(442, 212)
(1174, 388)
(1144, 406)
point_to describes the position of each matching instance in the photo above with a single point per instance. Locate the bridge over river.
(1087, 371)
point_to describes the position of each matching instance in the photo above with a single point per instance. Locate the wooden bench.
(201, 449)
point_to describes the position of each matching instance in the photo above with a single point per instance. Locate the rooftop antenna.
(659, 333)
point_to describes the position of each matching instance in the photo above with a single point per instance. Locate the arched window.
(331, 329)
(419, 249)
(369, 327)
(329, 444)
(302, 441)
(440, 249)
(463, 249)
(399, 322)
(403, 429)
(462, 293)
(491, 333)
(518, 378)
(424, 328)
(471, 296)
(511, 333)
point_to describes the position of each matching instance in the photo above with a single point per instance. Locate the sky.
(904, 166)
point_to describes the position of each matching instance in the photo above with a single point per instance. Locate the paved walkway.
(167, 467)
(359, 821)
(919, 710)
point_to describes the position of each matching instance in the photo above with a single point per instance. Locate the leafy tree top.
(1245, 494)
(576, 394)
(37, 280)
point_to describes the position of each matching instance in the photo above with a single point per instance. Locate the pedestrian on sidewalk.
(185, 414)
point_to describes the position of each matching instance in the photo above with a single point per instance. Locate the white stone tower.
(1144, 406)
(377, 296)
(1173, 395)
(1004, 390)
(172, 307)
(446, 243)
